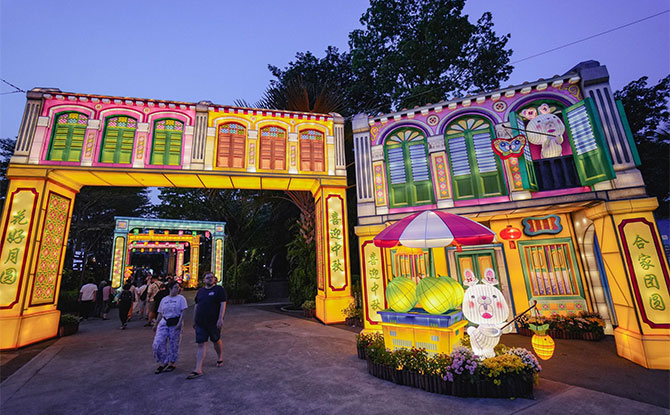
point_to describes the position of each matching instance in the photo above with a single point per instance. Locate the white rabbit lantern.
(484, 305)
(545, 129)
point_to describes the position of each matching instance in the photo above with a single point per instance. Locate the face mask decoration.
(484, 304)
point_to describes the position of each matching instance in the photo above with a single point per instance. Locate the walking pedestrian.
(87, 296)
(140, 298)
(125, 301)
(210, 307)
(168, 327)
(107, 297)
(151, 293)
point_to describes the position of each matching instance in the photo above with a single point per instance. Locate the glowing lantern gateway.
(542, 344)
(510, 234)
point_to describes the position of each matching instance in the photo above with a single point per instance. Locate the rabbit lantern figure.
(545, 129)
(484, 304)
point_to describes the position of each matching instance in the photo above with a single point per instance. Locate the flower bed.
(511, 373)
(582, 326)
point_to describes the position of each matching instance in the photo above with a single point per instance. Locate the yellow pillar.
(332, 254)
(637, 273)
(373, 276)
(34, 230)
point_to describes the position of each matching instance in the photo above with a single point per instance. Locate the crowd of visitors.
(157, 299)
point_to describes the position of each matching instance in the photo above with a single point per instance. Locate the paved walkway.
(274, 364)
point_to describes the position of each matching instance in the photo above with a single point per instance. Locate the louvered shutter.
(174, 149)
(117, 146)
(526, 165)
(461, 173)
(265, 153)
(68, 137)
(306, 155)
(590, 153)
(422, 187)
(398, 192)
(488, 165)
(279, 154)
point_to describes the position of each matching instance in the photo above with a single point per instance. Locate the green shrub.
(68, 320)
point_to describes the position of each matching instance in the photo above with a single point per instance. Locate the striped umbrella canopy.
(434, 229)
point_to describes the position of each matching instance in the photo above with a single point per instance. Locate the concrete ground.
(278, 364)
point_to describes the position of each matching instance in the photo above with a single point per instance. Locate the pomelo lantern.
(434, 294)
(401, 294)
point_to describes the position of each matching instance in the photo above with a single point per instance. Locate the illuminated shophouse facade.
(574, 224)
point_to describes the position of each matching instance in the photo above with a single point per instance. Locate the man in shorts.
(210, 307)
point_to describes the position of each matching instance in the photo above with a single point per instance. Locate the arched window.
(118, 140)
(272, 154)
(475, 169)
(230, 148)
(67, 139)
(409, 179)
(166, 147)
(311, 150)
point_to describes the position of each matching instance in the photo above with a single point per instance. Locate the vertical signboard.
(648, 271)
(17, 233)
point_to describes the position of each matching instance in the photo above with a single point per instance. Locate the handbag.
(172, 321)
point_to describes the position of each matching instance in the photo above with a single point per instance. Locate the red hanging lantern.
(510, 234)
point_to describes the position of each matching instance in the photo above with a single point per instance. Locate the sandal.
(160, 369)
(219, 363)
(169, 368)
(193, 375)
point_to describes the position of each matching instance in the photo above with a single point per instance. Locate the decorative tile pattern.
(380, 184)
(441, 174)
(48, 259)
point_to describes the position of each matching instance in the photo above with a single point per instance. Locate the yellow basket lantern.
(543, 344)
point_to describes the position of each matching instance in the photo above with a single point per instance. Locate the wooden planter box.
(68, 330)
(309, 313)
(362, 354)
(511, 386)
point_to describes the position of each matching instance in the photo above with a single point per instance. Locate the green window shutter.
(488, 165)
(629, 134)
(67, 140)
(592, 158)
(117, 145)
(526, 166)
(422, 185)
(461, 171)
(407, 168)
(397, 173)
(166, 148)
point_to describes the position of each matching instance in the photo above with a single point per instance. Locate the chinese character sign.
(648, 271)
(18, 226)
(336, 238)
(374, 285)
(117, 267)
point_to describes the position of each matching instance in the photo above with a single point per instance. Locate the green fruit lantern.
(401, 294)
(439, 295)
(455, 292)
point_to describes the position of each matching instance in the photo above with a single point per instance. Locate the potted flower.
(365, 340)
(68, 325)
(309, 308)
(353, 315)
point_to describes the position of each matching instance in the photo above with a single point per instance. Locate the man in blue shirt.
(210, 306)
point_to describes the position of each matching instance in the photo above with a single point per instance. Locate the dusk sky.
(219, 50)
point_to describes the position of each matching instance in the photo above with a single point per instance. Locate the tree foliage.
(411, 52)
(256, 223)
(6, 152)
(649, 119)
(92, 226)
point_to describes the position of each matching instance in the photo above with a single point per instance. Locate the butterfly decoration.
(509, 147)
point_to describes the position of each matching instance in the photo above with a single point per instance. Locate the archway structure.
(139, 234)
(70, 140)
